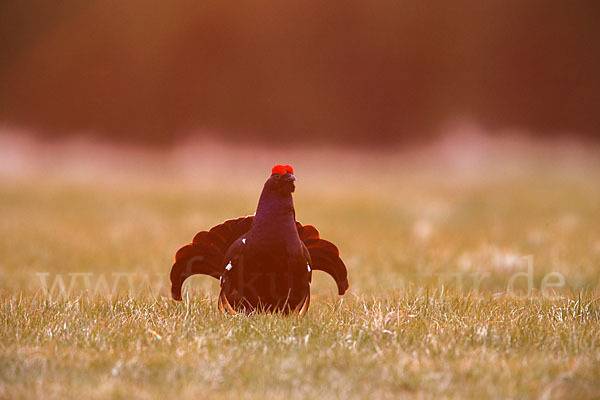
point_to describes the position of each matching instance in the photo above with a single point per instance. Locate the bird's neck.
(275, 218)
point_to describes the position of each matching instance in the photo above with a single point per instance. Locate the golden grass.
(417, 230)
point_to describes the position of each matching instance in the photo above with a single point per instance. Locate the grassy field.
(431, 239)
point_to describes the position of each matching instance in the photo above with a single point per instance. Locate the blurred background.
(440, 144)
(373, 73)
(431, 140)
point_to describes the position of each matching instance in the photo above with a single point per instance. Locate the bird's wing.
(206, 252)
(324, 255)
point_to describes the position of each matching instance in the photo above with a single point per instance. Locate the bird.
(263, 262)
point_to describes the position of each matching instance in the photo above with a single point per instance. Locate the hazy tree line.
(353, 71)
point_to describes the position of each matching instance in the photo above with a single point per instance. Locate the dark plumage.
(265, 261)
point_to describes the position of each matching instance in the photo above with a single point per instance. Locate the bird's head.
(281, 180)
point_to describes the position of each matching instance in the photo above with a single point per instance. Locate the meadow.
(432, 238)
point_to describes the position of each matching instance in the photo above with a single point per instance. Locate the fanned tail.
(192, 259)
(205, 254)
(324, 255)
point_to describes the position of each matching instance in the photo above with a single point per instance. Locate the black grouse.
(263, 262)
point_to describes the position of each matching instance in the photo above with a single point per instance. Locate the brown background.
(345, 72)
